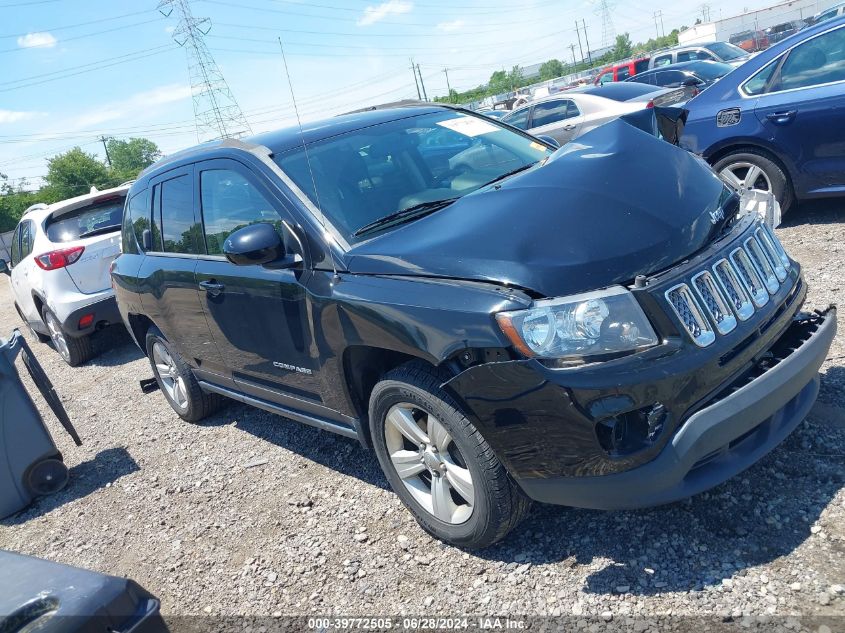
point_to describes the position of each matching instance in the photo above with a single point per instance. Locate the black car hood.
(615, 203)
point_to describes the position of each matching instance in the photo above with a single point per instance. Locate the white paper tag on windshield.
(469, 125)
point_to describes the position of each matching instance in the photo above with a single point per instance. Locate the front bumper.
(105, 313)
(717, 442)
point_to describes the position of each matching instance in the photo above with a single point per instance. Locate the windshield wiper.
(405, 215)
(102, 229)
(510, 173)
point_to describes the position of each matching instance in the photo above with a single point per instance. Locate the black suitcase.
(30, 463)
(39, 595)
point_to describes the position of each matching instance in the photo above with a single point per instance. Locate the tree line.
(503, 81)
(73, 173)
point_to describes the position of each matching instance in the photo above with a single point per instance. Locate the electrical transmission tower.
(216, 112)
(608, 33)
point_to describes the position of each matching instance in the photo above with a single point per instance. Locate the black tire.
(41, 338)
(199, 404)
(499, 505)
(46, 477)
(777, 176)
(73, 350)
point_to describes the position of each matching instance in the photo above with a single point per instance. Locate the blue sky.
(76, 69)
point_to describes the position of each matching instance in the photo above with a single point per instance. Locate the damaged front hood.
(613, 204)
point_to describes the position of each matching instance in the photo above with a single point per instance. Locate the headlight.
(608, 321)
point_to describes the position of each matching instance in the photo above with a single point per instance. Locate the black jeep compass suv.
(595, 326)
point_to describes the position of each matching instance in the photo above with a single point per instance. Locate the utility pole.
(577, 30)
(574, 63)
(422, 83)
(416, 83)
(662, 29)
(448, 87)
(106, 147)
(587, 42)
(655, 15)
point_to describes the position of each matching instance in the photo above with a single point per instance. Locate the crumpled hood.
(611, 205)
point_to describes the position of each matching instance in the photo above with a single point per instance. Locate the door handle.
(212, 287)
(781, 117)
(568, 127)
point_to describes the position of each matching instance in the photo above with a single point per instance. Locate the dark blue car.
(777, 122)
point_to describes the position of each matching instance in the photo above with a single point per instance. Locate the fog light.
(630, 432)
(86, 321)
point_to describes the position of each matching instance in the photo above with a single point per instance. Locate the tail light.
(60, 258)
(650, 104)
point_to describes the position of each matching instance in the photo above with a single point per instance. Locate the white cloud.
(169, 29)
(11, 116)
(449, 27)
(136, 105)
(381, 11)
(37, 40)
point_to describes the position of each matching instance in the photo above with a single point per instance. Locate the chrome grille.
(762, 264)
(732, 289)
(740, 301)
(750, 279)
(772, 252)
(714, 302)
(689, 312)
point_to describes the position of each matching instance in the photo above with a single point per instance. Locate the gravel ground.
(250, 514)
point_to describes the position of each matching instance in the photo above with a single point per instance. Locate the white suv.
(59, 271)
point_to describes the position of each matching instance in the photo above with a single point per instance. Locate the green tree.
(74, 173)
(13, 202)
(551, 69)
(130, 157)
(499, 82)
(515, 78)
(623, 47)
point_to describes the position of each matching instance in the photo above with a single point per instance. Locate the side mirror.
(691, 82)
(4, 267)
(256, 244)
(549, 140)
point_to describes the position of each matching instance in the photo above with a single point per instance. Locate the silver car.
(568, 115)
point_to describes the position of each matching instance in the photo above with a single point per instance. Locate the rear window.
(640, 66)
(95, 219)
(725, 51)
(619, 91)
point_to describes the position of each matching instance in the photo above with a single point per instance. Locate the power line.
(79, 37)
(215, 109)
(608, 33)
(73, 26)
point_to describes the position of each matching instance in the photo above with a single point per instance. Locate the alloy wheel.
(429, 463)
(171, 379)
(745, 176)
(58, 337)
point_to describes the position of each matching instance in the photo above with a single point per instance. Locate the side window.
(27, 238)
(670, 78)
(136, 221)
(757, 84)
(641, 66)
(230, 202)
(157, 245)
(663, 60)
(518, 119)
(623, 73)
(606, 78)
(550, 112)
(16, 246)
(820, 60)
(572, 110)
(181, 232)
(685, 56)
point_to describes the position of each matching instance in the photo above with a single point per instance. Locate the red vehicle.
(751, 41)
(621, 71)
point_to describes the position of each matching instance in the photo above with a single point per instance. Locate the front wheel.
(438, 464)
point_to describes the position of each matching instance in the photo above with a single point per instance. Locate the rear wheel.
(177, 381)
(73, 350)
(438, 464)
(746, 170)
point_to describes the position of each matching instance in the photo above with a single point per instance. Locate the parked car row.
(501, 320)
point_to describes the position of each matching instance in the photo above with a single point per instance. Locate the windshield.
(621, 91)
(94, 219)
(726, 51)
(711, 70)
(369, 174)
